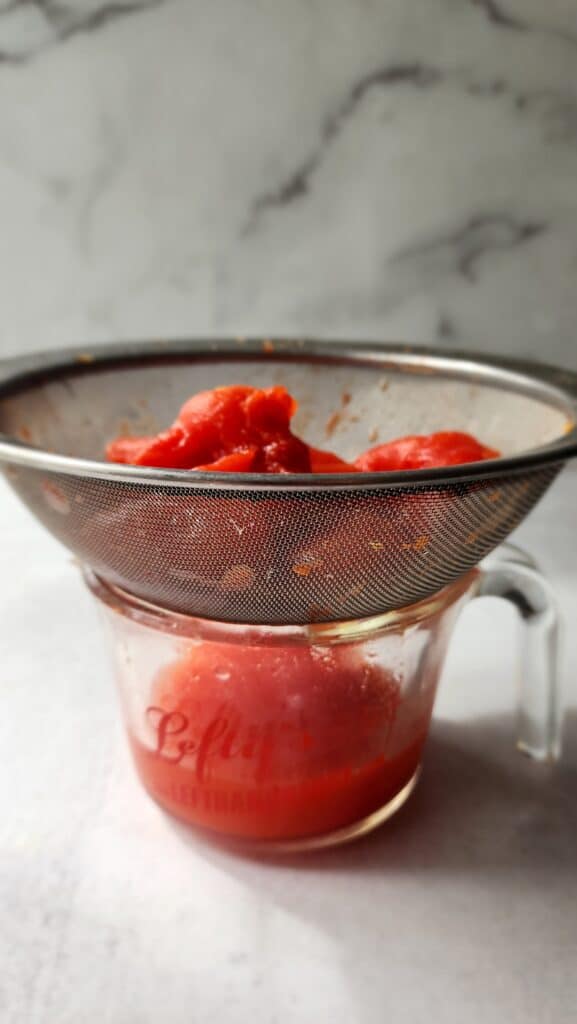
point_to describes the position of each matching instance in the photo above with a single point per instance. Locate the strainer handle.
(512, 574)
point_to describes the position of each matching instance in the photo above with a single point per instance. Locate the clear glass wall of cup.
(299, 737)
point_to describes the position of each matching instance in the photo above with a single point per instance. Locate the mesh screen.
(253, 556)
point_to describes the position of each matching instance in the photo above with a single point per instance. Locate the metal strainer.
(282, 549)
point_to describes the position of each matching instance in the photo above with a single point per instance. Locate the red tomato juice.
(248, 810)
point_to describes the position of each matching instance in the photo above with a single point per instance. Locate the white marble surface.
(462, 909)
(324, 166)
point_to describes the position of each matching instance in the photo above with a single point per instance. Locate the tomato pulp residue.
(247, 430)
(276, 743)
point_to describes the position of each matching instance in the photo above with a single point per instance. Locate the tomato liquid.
(245, 809)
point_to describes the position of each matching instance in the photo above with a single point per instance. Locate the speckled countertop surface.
(462, 909)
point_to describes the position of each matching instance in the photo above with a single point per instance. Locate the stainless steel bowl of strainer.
(282, 549)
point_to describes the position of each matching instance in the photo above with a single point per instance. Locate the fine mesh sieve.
(282, 549)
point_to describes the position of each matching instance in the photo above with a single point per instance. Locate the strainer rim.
(554, 385)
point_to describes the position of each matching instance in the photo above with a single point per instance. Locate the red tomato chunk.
(240, 429)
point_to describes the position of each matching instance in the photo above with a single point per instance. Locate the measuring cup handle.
(512, 574)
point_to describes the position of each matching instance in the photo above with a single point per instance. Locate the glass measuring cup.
(299, 737)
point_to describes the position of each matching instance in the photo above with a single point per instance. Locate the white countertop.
(462, 909)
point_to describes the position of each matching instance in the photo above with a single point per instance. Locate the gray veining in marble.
(29, 27)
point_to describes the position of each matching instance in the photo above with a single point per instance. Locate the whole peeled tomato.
(267, 714)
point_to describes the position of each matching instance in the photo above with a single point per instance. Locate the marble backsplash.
(349, 169)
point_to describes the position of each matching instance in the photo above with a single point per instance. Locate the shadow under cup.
(284, 737)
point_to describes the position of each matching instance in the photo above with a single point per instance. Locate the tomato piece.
(241, 461)
(170, 449)
(270, 411)
(445, 448)
(127, 449)
(327, 462)
(284, 455)
(215, 419)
